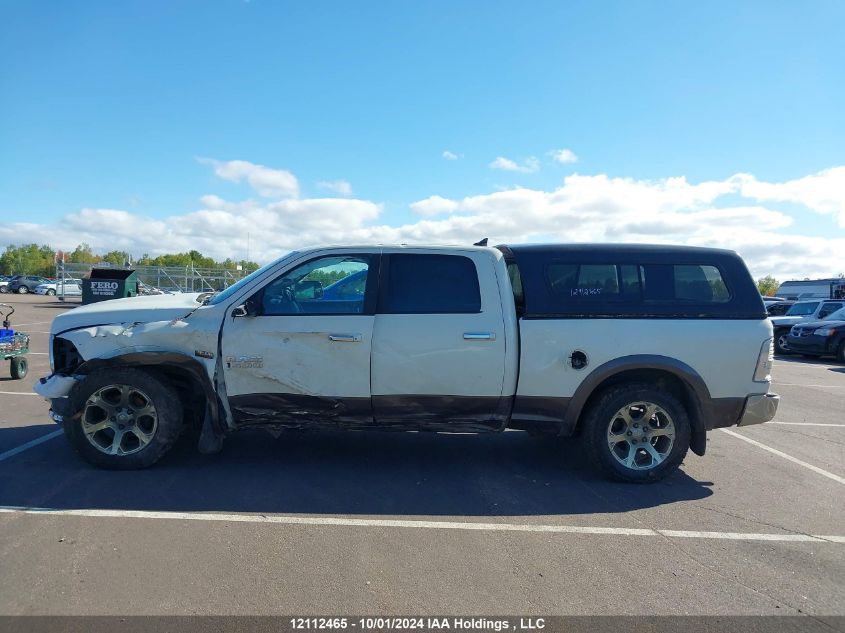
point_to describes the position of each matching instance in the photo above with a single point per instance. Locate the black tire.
(840, 354)
(50, 292)
(599, 418)
(781, 347)
(18, 367)
(4, 288)
(164, 399)
(22, 290)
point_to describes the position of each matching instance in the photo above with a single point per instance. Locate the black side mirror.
(249, 308)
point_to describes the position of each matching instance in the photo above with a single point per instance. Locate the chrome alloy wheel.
(641, 435)
(783, 341)
(119, 420)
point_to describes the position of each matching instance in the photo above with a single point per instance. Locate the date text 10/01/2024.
(416, 623)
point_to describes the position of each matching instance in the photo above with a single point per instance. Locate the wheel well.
(187, 387)
(662, 379)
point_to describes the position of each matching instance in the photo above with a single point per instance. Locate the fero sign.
(107, 283)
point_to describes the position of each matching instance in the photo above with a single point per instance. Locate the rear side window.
(430, 284)
(828, 309)
(688, 283)
(593, 281)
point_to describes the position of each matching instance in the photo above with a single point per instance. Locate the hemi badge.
(203, 354)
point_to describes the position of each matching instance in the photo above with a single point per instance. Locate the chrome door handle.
(345, 338)
(479, 336)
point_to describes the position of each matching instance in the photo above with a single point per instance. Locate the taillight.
(765, 360)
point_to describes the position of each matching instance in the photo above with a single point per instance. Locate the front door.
(304, 358)
(438, 344)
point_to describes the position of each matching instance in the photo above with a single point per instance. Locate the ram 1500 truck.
(638, 350)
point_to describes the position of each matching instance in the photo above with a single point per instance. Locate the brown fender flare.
(697, 391)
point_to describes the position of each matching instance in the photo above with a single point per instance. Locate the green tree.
(117, 258)
(767, 285)
(27, 259)
(83, 254)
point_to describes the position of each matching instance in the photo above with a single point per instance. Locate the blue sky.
(114, 106)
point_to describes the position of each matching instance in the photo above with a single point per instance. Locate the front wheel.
(22, 290)
(4, 289)
(123, 418)
(840, 354)
(782, 342)
(636, 433)
(50, 292)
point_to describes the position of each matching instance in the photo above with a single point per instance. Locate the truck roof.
(616, 249)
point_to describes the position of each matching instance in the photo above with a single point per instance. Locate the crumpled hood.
(783, 321)
(130, 310)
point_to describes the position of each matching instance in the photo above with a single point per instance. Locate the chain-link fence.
(166, 278)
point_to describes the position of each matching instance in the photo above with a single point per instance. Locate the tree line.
(34, 259)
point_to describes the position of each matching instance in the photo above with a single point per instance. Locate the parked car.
(349, 287)
(800, 311)
(23, 284)
(4, 283)
(825, 337)
(779, 308)
(620, 345)
(767, 301)
(68, 288)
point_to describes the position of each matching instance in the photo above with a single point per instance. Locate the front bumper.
(759, 409)
(811, 344)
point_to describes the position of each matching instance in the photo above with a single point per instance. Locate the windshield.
(803, 309)
(224, 295)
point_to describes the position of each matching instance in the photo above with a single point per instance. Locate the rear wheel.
(637, 433)
(840, 354)
(51, 292)
(781, 342)
(22, 290)
(123, 419)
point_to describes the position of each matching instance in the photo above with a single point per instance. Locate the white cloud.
(450, 155)
(528, 166)
(338, 186)
(434, 205)
(823, 192)
(267, 182)
(563, 155)
(730, 213)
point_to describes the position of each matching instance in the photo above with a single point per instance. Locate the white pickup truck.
(639, 350)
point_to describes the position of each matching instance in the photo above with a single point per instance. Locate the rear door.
(438, 358)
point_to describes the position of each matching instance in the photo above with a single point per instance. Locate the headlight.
(825, 331)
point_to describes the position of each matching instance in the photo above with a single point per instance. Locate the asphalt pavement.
(368, 523)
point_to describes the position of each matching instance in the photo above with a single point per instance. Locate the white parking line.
(30, 444)
(33, 323)
(795, 384)
(430, 525)
(794, 460)
(806, 423)
(17, 393)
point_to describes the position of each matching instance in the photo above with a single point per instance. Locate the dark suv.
(26, 283)
(820, 338)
